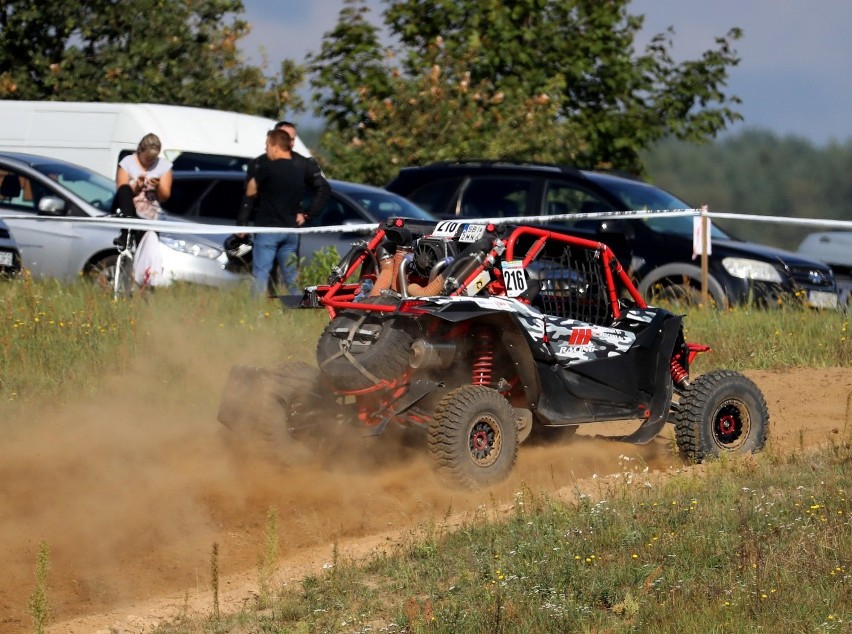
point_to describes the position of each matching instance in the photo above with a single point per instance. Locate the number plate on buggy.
(447, 229)
(5, 258)
(514, 277)
(472, 233)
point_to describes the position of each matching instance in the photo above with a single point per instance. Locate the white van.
(98, 135)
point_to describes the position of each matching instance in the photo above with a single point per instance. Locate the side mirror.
(52, 206)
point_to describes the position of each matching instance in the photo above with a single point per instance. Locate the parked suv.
(658, 251)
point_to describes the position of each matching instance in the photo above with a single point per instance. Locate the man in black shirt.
(279, 183)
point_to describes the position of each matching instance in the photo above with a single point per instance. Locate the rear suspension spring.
(483, 356)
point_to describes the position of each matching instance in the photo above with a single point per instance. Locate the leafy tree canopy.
(167, 51)
(468, 69)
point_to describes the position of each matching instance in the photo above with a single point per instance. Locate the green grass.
(746, 545)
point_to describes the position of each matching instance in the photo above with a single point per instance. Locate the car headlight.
(751, 269)
(191, 247)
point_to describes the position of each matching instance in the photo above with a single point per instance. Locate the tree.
(175, 52)
(349, 69)
(577, 54)
(440, 115)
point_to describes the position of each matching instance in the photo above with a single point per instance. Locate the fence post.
(705, 243)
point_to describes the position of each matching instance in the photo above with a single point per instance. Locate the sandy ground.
(132, 493)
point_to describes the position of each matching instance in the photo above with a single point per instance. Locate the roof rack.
(506, 163)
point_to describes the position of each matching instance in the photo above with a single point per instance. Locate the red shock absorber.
(483, 356)
(680, 376)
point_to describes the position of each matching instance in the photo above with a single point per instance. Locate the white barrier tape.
(813, 222)
(600, 215)
(185, 227)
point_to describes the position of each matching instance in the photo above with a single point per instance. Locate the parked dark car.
(214, 198)
(658, 251)
(835, 249)
(10, 257)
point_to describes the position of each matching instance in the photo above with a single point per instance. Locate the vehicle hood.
(737, 248)
(213, 240)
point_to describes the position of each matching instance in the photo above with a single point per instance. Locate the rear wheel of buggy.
(721, 412)
(358, 349)
(260, 406)
(473, 437)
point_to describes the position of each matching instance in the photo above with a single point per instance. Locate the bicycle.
(122, 277)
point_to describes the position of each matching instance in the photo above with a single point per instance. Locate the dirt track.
(131, 498)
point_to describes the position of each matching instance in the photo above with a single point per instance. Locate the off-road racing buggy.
(481, 336)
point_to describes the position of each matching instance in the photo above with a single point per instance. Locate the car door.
(497, 197)
(564, 198)
(46, 246)
(338, 210)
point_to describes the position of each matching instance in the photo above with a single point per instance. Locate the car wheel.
(473, 437)
(720, 412)
(680, 286)
(102, 272)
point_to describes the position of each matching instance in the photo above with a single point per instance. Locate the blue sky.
(793, 78)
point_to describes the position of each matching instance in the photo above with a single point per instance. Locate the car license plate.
(822, 299)
(5, 258)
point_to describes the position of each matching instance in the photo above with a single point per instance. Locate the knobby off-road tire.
(721, 412)
(258, 406)
(358, 348)
(473, 437)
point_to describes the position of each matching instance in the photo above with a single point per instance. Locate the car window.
(222, 200)
(335, 212)
(568, 198)
(19, 191)
(95, 189)
(383, 205)
(495, 197)
(186, 196)
(437, 197)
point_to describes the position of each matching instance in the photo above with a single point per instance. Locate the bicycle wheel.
(123, 275)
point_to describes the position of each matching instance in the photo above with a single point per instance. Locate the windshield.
(95, 189)
(384, 205)
(639, 196)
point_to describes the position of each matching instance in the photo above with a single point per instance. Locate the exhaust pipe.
(424, 355)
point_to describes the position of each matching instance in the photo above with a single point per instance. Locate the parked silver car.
(39, 186)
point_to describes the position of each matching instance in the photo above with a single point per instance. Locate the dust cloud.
(131, 486)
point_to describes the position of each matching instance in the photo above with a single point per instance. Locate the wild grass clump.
(60, 339)
(56, 338)
(788, 336)
(745, 544)
(39, 604)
